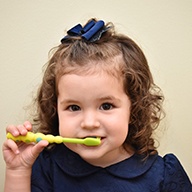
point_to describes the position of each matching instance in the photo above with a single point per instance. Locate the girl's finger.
(36, 150)
(13, 130)
(28, 125)
(22, 130)
(10, 145)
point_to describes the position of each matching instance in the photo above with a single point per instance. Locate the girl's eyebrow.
(64, 101)
(104, 98)
(109, 97)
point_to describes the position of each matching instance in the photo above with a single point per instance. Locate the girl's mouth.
(95, 137)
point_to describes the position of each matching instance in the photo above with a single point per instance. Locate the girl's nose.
(90, 121)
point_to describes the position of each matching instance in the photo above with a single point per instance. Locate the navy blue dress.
(62, 170)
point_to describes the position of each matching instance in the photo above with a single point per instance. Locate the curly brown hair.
(127, 62)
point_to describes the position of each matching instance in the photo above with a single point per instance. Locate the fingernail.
(17, 152)
(15, 132)
(28, 125)
(23, 131)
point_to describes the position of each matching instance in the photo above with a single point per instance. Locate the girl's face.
(94, 105)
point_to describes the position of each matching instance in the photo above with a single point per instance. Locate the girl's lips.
(92, 137)
(101, 138)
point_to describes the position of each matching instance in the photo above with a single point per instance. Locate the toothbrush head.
(89, 141)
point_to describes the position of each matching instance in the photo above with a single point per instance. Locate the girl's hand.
(20, 155)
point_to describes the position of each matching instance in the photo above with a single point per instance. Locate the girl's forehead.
(113, 67)
(99, 80)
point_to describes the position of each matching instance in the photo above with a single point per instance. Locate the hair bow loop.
(75, 31)
(93, 30)
(88, 26)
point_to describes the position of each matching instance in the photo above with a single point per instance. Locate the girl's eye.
(106, 106)
(74, 108)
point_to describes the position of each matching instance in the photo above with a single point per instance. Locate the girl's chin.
(88, 153)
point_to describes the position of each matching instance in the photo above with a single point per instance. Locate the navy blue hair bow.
(91, 32)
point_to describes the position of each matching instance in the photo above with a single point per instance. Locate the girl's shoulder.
(165, 173)
(175, 177)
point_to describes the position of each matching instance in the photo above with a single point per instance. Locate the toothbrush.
(36, 137)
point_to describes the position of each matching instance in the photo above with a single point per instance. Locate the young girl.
(96, 84)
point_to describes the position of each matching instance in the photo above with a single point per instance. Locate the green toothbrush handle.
(36, 137)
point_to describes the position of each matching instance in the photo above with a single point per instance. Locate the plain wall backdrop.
(29, 29)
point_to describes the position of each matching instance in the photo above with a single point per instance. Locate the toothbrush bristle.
(90, 141)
